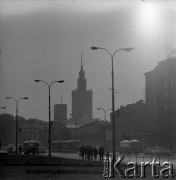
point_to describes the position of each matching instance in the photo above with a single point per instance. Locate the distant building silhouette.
(161, 104)
(60, 113)
(7, 129)
(82, 99)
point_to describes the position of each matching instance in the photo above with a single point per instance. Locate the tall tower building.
(60, 112)
(82, 99)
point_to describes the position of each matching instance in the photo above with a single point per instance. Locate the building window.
(165, 96)
(25, 135)
(34, 135)
(30, 135)
(154, 88)
(165, 107)
(165, 73)
(165, 85)
(172, 84)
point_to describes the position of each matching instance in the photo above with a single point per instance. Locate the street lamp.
(16, 118)
(104, 110)
(113, 111)
(76, 122)
(49, 87)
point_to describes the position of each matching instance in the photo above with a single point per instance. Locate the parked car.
(11, 148)
(31, 147)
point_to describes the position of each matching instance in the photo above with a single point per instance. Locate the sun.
(149, 18)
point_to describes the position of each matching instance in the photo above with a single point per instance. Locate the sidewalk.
(65, 155)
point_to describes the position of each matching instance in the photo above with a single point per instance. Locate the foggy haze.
(44, 40)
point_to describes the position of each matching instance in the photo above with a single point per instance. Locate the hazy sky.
(44, 39)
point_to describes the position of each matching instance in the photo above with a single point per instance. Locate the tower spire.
(81, 62)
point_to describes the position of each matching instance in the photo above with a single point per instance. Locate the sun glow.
(149, 18)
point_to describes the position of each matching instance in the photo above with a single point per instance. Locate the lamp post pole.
(16, 118)
(76, 118)
(113, 101)
(49, 112)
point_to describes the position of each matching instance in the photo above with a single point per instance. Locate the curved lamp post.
(113, 111)
(49, 87)
(16, 118)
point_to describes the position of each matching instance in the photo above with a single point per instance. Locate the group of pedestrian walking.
(90, 153)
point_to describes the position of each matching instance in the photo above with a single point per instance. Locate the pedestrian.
(11, 148)
(95, 152)
(101, 153)
(86, 152)
(91, 153)
(82, 151)
(20, 149)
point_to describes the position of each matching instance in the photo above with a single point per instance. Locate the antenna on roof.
(168, 50)
(173, 52)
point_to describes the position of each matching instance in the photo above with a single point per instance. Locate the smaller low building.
(130, 123)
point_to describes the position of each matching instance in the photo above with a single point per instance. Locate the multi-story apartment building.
(130, 124)
(161, 104)
(7, 129)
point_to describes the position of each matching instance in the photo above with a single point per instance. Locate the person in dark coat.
(95, 152)
(82, 151)
(20, 149)
(101, 153)
(91, 152)
(86, 152)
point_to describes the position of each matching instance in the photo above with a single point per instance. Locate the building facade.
(60, 113)
(161, 104)
(130, 124)
(82, 100)
(7, 129)
(34, 129)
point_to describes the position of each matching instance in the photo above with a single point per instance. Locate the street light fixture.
(16, 118)
(49, 87)
(2, 107)
(113, 109)
(76, 122)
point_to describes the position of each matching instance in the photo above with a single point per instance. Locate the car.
(31, 146)
(11, 148)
